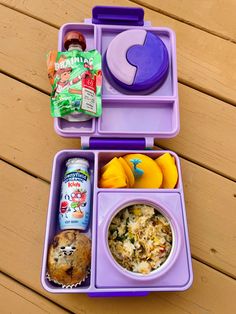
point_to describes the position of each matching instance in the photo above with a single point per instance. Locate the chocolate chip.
(56, 259)
(69, 271)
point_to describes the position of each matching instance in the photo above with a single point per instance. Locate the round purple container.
(137, 60)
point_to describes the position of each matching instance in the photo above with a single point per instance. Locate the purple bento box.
(129, 123)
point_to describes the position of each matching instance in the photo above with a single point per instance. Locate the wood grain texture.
(207, 132)
(24, 45)
(15, 298)
(207, 126)
(28, 137)
(21, 238)
(201, 56)
(215, 16)
(211, 201)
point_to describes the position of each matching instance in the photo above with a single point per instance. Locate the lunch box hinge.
(117, 143)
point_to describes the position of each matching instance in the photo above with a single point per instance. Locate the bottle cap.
(77, 161)
(74, 37)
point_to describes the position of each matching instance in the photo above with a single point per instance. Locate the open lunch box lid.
(130, 119)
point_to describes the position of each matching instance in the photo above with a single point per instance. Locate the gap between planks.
(24, 170)
(220, 270)
(24, 82)
(205, 91)
(29, 15)
(182, 81)
(30, 296)
(194, 161)
(182, 20)
(145, 5)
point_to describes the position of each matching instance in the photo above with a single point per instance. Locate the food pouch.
(76, 79)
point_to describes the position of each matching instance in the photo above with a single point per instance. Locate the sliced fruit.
(113, 175)
(128, 171)
(113, 183)
(146, 171)
(170, 173)
(113, 161)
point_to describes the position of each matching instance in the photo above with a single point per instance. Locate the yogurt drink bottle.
(74, 210)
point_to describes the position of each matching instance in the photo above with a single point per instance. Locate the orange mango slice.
(113, 183)
(113, 175)
(146, 171)
(170, 173)
(128, 172)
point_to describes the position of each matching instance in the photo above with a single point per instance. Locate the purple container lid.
(148, 61)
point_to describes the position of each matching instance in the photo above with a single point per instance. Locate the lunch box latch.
(118, 16)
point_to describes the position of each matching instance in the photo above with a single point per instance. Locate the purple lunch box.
(129, 123)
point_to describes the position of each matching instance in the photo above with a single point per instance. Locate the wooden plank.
(217, 17)
(29, 141)
(206, 133)
(15, 298)
(24, 199)
(207, 125)
(210, 202)
(23, 48)
(200, 55)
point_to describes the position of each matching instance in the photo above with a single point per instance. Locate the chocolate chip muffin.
(69, 258)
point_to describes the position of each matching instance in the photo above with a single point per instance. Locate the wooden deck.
(206, 53)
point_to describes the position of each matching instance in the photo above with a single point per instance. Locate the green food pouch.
(76, 79)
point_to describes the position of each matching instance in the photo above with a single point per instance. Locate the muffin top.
(69, 257)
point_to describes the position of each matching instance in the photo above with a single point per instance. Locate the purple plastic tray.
(107, 278)
(126, 114)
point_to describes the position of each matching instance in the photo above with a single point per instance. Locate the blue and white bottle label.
(74, 208)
